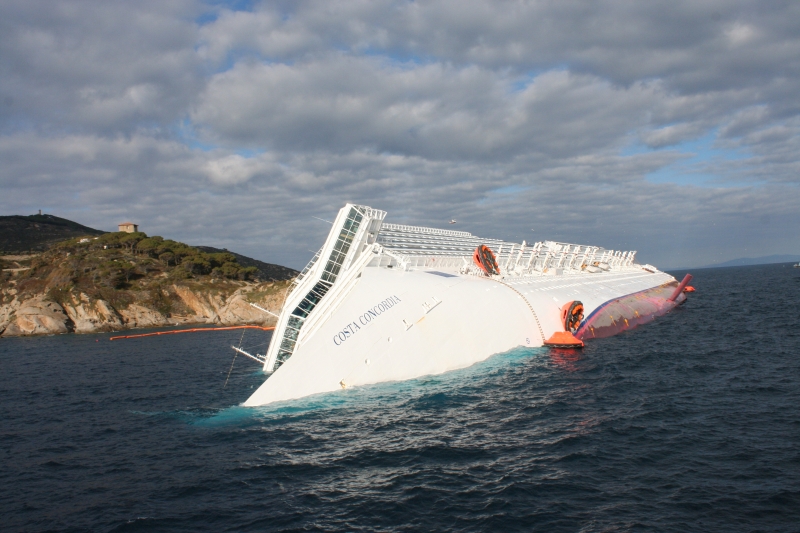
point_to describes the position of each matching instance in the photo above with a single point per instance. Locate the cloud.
(688, 44)
(96, 67)
(233, 127)
(233, 169)
(344, 103)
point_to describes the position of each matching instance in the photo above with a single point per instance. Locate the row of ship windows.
(342, 246)
(329, 275)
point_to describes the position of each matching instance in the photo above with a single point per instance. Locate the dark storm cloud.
(667, 127)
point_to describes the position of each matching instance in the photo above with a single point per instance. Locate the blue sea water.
(691, 423)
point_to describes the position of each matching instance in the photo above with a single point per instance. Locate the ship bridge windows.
(315, 295)
(311, 300)
(342, 245)
(296, 319)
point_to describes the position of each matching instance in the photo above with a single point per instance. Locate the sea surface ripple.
(691, 423)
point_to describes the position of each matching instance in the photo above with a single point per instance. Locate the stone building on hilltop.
(129, 227)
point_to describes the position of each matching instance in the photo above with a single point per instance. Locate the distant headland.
(59, 276)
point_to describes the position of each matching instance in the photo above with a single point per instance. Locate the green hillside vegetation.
(123, 268)
(265, 270)
(116, 258)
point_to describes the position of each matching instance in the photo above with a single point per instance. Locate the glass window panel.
(288, 345)
(312, 297)
(317, 294)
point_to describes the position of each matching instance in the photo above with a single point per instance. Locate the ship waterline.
(386, 302)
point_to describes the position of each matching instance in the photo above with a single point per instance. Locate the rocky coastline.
(119, 281)
(79, 313)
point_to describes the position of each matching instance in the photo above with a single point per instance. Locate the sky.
(667, 127)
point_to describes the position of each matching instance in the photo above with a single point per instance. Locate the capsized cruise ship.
(387, 302)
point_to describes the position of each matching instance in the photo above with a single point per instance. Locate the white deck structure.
(385, 302)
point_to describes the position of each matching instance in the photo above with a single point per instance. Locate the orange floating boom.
(172, 331)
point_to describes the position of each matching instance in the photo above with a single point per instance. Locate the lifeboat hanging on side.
(485, 259)
(571, 318)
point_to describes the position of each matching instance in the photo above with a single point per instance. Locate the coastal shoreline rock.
(119, 280)
(80, 313)
(35, 316)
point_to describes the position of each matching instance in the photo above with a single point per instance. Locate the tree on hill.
(149, 245)
(193, 262)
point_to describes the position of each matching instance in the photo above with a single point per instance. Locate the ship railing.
(436, 261)
(554, 257)
(406, 262)
(308, 267)
(416, 240)
(423, 244)
(414, 246)
(513, 259)
(370, 212)
(401, 228)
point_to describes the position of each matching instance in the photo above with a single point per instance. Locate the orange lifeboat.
(485, 259)
(571, 317)
(563, 339)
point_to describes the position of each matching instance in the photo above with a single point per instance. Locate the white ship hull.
(390, 316)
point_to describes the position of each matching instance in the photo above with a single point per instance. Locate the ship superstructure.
(384, 302)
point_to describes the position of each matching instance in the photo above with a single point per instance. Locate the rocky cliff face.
(190, 304)
(118, 281)
(35, 316)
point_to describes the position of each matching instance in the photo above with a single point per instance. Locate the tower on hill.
(129, 227)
